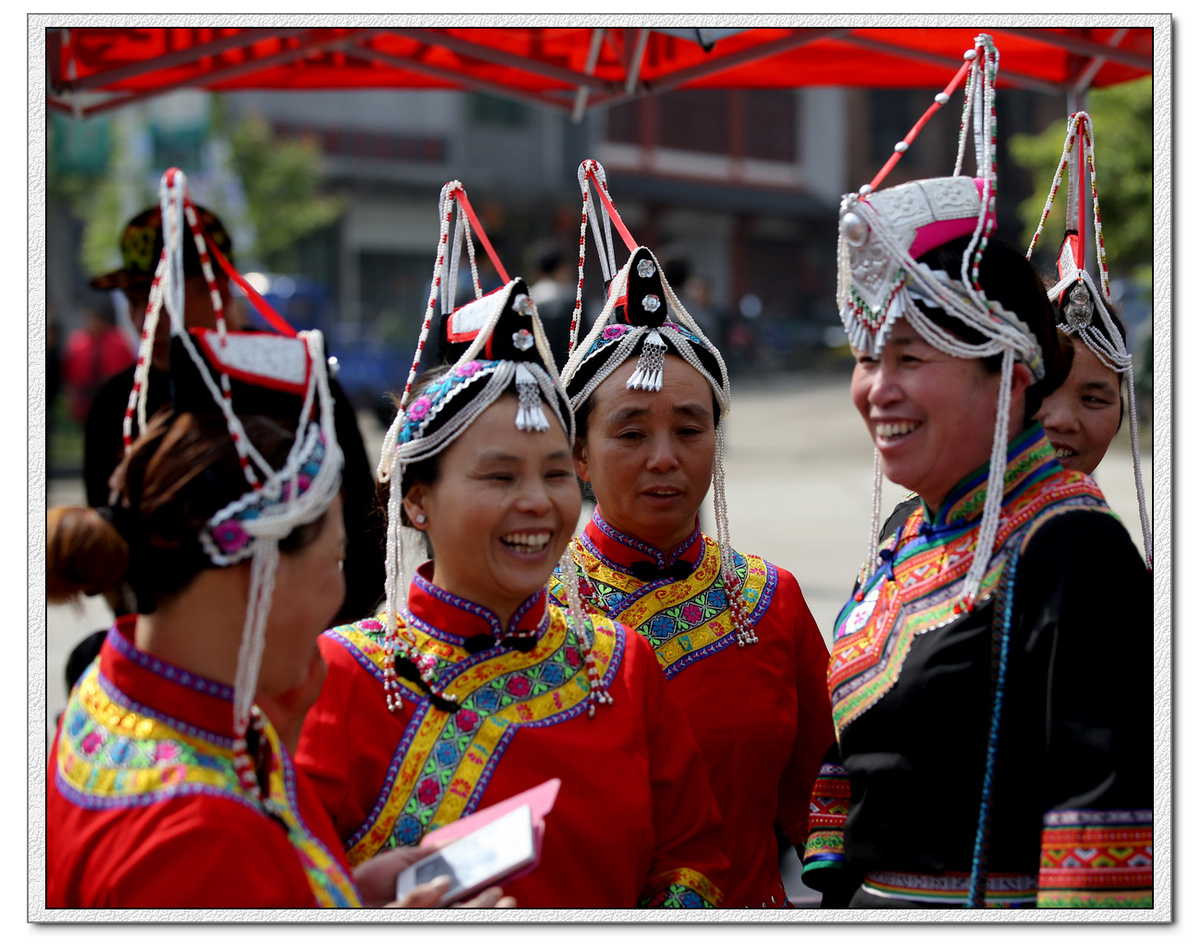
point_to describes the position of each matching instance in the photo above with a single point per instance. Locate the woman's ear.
(581, 459)
(414, 506)
(1022, 379)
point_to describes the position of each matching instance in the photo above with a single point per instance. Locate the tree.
(281, 181)
(1123, 118)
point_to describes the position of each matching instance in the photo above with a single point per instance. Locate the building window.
(754, 123)
(495, 110)
(695, 120)
(771, 124)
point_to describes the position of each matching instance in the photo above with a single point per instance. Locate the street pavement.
(798, 474)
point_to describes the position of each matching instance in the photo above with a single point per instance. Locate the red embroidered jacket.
(634, 822)
(760, 713)
(144, 809)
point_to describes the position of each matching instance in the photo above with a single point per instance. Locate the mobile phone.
(477, 860)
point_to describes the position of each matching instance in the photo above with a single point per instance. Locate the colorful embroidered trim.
(444, 761)
(660, 558)
(680, 888)
(113, 757)
(493, 622)
(683, 621)
(827, 812)
(951, 888)
(176, 675)
(916, 589)
(1097, 859)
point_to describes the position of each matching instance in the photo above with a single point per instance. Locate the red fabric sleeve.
(212, 854)
(814, 716)
(688, 869)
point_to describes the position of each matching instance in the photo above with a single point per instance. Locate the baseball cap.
(142, 244)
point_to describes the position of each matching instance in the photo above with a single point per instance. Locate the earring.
(420, 520)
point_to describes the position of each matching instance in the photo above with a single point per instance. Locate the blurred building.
(736, 189)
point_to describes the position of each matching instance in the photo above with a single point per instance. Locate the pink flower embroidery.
(466, 720)
(469, 369)
(165, 752)
(370, 624)
(90, 743)
(229, 536)
(428, 791)
(613, 331)
(692, 613)
(519, 686)
(419, 408)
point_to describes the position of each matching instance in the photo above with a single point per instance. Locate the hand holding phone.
(484, 856)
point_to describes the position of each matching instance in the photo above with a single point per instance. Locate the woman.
(721, 623)
(1084, 414)
(167, 787)
(475, 688)
(984, 759)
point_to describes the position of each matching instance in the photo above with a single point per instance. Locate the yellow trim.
(491, 731)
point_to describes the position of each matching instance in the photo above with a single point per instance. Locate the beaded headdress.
(880, 236)
(1082, 305)
(642, 315)
(494, 343)
(234, 374)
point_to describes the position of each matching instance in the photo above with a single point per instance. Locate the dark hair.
(1011, 281)
(179, 473)
(427, 470)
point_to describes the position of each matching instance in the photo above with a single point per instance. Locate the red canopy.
(94, 69)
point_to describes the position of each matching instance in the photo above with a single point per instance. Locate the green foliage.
(281, 180)
(92, 193)
(1123, 119)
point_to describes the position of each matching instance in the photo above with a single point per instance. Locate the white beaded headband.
(1087, 317)
(276, 501)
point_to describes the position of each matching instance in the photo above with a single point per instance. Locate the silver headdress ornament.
(643, 315)
(210, 368)
(1083, 305)
(880, 236)
(495, 342)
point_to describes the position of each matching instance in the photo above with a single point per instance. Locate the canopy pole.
(581, 94)
(635, 65)
(1077, 96)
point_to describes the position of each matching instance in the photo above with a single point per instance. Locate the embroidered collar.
(165, 689)
(621, 550)
(455, 620)
(1030, 459)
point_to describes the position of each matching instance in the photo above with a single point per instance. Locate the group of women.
(980, 731)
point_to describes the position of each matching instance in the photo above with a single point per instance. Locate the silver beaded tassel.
(648, 375)
(530, 416)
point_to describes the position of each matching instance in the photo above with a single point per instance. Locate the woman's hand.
(430, 895)
(376, 879)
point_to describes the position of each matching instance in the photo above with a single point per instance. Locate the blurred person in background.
(554, 294)
(95, 352)
(141, 246)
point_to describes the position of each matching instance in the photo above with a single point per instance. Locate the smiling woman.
(472, 687)
(972, 670)
(1083, 415)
